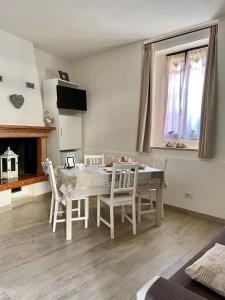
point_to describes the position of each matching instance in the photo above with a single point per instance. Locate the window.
(185, 79)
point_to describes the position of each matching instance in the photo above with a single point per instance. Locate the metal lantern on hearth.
(9, 164)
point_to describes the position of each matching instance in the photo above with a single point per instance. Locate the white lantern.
(9, 164)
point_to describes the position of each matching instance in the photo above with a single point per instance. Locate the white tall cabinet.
(68, 134)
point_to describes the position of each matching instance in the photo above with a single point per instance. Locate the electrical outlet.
(188, 195)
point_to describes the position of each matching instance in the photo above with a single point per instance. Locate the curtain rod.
(171, 36)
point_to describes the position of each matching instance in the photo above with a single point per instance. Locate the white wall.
(48, 65)
(17, 65)
(20, 62)
(220, 154)
(112, 80)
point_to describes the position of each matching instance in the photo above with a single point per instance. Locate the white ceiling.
(74, 29)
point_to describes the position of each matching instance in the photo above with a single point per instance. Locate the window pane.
(13, 164)
(192, 93)
(175, 73)
(4, 165)
(184, 94)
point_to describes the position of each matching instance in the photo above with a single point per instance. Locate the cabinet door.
(69, 132)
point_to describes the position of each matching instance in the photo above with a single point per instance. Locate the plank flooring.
(38, 264)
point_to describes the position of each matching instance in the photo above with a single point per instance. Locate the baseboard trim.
(24, 201)
(46, 196)
(194, 213)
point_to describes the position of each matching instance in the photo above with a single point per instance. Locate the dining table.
(96, 180)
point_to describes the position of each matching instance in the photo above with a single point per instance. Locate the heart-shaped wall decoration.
(17, 100)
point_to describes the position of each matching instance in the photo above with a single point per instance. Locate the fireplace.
(26, 149)
(30, 143)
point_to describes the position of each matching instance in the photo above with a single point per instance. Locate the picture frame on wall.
(63, 75)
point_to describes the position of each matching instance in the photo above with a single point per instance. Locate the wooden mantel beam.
(15, 131)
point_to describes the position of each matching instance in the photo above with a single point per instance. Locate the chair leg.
(163, 215)
(139, 208)
(112, 222)
(152, 197)
(134, 217)
(78, 206)
(55, 215)
(51, 209)
(98, 211)
(88, 201)
(122, 213)
(86, 212)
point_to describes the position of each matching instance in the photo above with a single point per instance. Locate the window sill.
(173, 148)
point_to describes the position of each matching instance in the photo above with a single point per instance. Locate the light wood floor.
(37, 264)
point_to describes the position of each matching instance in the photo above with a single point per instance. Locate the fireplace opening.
(26, 148)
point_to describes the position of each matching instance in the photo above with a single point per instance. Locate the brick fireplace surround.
(20, 131)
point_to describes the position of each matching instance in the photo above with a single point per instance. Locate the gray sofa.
(181, 286)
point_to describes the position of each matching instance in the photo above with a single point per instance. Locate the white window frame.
(159, 95)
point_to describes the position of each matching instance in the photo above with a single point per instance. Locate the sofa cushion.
(181, 278)
(210, 269)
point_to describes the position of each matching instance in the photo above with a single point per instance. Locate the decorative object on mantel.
(48, 120)
(64, 75)
(30, 85)
(9, 165)
(17, 100)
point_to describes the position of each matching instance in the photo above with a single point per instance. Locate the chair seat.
(118, 199)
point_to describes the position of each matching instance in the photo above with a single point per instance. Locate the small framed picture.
(70, 160)
(64, 75)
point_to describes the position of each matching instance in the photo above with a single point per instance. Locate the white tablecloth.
(94, 180)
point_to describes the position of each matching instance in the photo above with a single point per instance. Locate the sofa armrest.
(143, 291)
(163, 289)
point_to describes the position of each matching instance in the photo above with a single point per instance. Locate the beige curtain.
(208, 112)
(144, 126)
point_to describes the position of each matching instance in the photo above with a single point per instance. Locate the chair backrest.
(159, 163)
(52, 179)
(124, 179)
(94, 159)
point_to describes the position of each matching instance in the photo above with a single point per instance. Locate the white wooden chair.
(94, 159)
(123, 191)
(147, 199)
(57, 199)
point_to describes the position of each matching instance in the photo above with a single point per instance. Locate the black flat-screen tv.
(70, 98)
